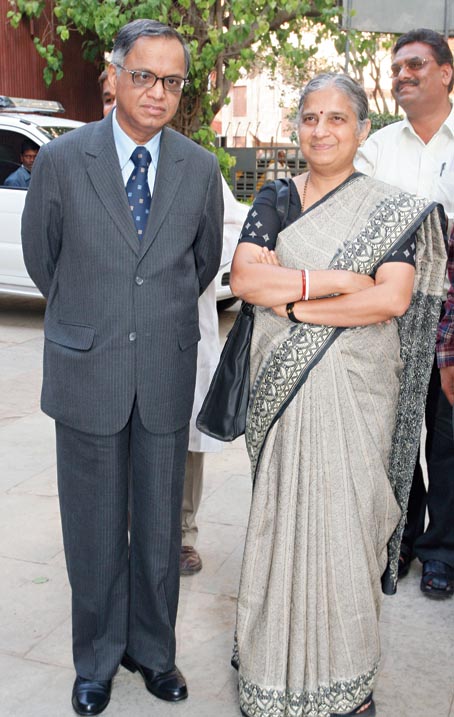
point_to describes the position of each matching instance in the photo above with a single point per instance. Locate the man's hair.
(345, 84)
(28, 144)
(131, 32)
(102, 78)
(440, 48)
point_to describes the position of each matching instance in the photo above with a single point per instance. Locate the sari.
(332, 433)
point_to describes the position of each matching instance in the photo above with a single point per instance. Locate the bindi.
(321, 112)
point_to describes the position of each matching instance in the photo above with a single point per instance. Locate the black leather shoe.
(405, 559)
(90, 697)
(170, 685)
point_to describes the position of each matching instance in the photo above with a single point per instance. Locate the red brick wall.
(21, 69)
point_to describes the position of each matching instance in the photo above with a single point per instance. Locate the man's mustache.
(406, 82)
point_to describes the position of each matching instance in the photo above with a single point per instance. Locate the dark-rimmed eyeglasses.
(414, 64)
(144, 78)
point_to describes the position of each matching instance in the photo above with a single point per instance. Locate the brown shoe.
(190, 561)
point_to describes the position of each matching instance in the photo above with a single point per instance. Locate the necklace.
(303, 202)
(306, 184)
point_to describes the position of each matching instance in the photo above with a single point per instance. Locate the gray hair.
(344, 83)
(131, 32)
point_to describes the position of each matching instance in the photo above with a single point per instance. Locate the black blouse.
(263, 223)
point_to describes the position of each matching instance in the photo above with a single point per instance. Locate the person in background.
(20, 179)
(445, 337)
(417, 155)
(277, 168)
(122, 232)
(207, 359)
(107, 92)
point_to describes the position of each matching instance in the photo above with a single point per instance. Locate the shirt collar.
(406, 125)
(125, 145)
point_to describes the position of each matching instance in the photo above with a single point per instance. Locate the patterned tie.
(137, 189)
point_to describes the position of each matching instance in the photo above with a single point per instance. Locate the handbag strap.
(282, 205)
(282, 199)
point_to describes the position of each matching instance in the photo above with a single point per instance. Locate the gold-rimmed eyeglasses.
(144, 78)
(414, 64)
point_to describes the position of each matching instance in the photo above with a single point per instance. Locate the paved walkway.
(417, 672)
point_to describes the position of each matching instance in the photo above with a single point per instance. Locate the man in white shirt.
(417, 154)
(207, 359)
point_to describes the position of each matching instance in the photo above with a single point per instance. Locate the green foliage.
(367, 50)
(381, 119)
(206, 136)
(225, 38)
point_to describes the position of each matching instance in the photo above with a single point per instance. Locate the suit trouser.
(192, 495)
(122, 599)
(437, 542)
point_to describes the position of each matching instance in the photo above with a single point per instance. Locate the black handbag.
(223, 412)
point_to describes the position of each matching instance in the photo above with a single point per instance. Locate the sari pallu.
(332, 464)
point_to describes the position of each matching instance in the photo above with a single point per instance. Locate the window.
(240, 101)
(10, 147)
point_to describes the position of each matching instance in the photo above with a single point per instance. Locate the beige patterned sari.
(332, 434)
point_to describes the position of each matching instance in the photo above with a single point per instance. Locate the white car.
(22, 119)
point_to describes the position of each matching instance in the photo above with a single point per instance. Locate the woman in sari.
(336, 403)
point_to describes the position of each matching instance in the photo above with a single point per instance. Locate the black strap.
(282, 188)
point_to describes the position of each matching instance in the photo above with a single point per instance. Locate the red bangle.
(303, 280)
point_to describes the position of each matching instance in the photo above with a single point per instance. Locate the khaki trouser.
(193, 486)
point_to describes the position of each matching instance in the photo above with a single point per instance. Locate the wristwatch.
(290, 314)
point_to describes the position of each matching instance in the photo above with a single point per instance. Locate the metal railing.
(257, 165)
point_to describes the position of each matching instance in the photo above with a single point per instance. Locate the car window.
(10, 149)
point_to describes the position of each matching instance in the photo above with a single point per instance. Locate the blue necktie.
(137, 189)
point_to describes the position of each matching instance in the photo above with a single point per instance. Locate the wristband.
(303, 284)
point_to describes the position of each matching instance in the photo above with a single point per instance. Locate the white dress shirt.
(397, 155)
(125, 146)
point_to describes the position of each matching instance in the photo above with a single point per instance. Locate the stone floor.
(417, 671)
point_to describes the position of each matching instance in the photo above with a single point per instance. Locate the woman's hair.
(352, 89)
(131, 32)
(437, 43)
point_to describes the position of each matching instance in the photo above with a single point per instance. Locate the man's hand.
(447, 382)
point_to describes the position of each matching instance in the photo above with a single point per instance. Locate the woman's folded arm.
(389, 297)
(257, 277)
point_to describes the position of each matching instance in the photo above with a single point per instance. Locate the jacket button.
(132, 336)
(138, 280)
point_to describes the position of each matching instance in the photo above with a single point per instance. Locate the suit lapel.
(167, 182)
(104, 171)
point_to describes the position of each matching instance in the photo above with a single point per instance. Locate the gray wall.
(399, 16)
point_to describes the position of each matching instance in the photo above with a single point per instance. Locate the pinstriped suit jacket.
(121, 317)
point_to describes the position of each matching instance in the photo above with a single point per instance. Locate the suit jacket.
(121, 318)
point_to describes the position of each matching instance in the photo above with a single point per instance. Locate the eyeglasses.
(414, 64)
(143, 78)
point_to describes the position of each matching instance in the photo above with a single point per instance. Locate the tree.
(369, 49)
(224, 37)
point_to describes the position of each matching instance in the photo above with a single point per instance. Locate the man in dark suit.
(122, 231)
